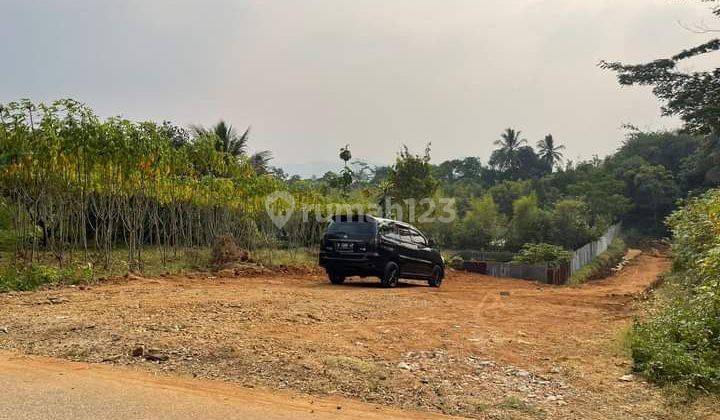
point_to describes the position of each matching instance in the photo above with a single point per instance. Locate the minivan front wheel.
(391, 276)
(437, 277)
(336, 278)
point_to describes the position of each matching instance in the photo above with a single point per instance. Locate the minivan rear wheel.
(437, 277)
(391, 276)
(336, 278)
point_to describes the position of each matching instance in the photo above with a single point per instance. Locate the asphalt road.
(43, 388)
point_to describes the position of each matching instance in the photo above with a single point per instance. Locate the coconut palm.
(260, 161)
(549, 152)
(510, 140)
(509, 143)
(227, 139)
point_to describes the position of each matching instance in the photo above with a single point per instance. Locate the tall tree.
(345, 154)
(550, 154)
(260, 161)
(528, 164)
(347, 173)
(227, 139)
(693, 96)
(482, 225)
(529, 223)
(411, 178)
(509, 143)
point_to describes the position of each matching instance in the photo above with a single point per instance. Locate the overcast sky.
(311, 76)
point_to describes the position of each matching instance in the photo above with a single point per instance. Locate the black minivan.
(371, 246)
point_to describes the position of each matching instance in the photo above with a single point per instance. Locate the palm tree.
(346, 175)
(345, 154)
(510, 140)
(260, 161)
(227, 139)
(509, 143)
(549, 153)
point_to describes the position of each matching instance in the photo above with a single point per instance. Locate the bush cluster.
(33, 276)
(680, 342)
(542, 253)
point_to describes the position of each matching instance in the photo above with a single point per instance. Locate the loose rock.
(56, 300)
(156, 357)
(137, 351)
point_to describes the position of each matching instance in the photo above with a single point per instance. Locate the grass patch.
(81, 267)
(292, 257)
(624, 342)
(601, 266)
(154, 261)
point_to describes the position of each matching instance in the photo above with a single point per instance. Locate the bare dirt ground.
(478, 346)
(44, 388)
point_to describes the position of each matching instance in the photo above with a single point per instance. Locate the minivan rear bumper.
(359, 264)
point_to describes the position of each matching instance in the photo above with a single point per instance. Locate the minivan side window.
(418, 238)
(406, 234)
(390, 232)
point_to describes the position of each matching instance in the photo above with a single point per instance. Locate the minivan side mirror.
(431, 243)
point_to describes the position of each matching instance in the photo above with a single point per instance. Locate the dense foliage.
(552, 255)
(72, 181)
(570, 205)
(680, 342)
(693, 96)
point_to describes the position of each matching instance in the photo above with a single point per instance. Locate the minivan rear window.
(352, 228)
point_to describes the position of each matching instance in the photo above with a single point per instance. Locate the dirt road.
(41, 388)
(478, 346)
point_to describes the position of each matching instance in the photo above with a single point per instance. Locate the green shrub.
(601, 266)
(679, 343)
(31, 277)
(552, 255)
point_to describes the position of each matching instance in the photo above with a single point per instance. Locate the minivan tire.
(437, 277)
(336, 278)
(391, 276)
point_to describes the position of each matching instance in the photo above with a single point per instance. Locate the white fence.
(586, 254)
(484, 262)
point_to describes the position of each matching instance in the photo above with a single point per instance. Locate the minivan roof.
(367, 217)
